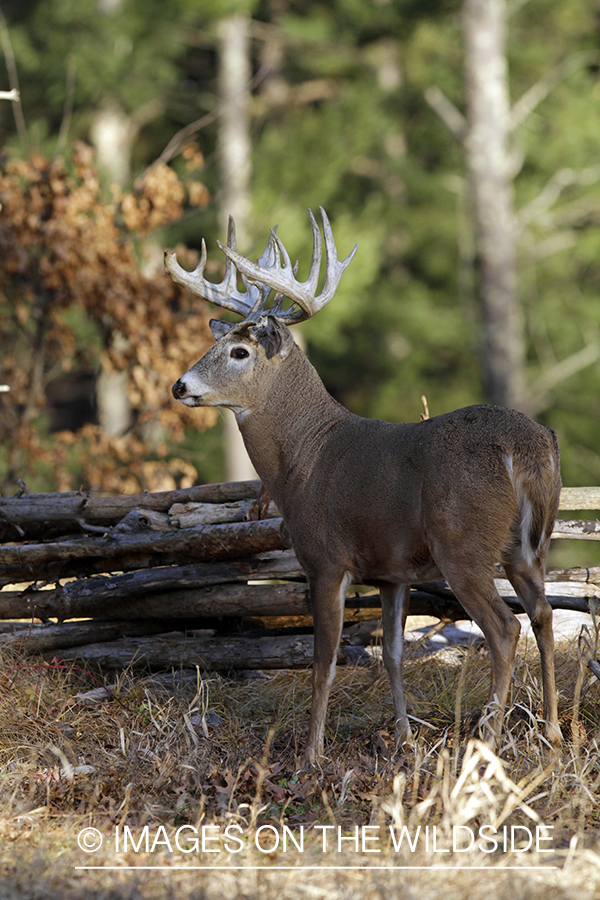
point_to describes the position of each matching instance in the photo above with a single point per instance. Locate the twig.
(540, 90)
(68, 109)
(562, 179)
(559, 372)
(181, 138)
(447, 111)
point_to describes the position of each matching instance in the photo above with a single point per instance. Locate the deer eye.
(239, 353)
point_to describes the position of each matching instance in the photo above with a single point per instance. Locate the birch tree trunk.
(112, 135)
(235, 163)
(489, 167)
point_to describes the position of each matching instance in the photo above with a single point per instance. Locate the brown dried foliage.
(67, 256)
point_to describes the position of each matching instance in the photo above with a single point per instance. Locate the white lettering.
(455, 831)
(191, 844)
(397, 840)
(257, 843)
(232, 837)
(161, 838)
(324, 829)
(489, 840)
(287, 832)
(207, 836)
(543, 837)
(368, 838)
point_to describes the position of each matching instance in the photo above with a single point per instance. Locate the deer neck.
(284, 434)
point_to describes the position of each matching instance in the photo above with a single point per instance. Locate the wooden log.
(188, 515)
(86, 596)
(29, 515)
(71, 634)
(216, 600)
(139, 520)
(207, 602)
(423, 603)
(577, 529)
(204, 650)
(32, 514)
(577, 574)
(124, 552)
(580, 498)
(234, 600)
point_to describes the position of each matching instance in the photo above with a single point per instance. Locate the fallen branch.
(124, 552)
(51, 637)
(206, 651)
(577, 574)
(33, 515)
(577, 529)
(92, 596)
(30, 515)
(235, 600)
(580, 498)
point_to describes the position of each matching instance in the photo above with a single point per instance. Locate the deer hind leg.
(528, 583)
(327, 596)
(478, 596)
(394, 608)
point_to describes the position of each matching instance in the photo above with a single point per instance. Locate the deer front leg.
(327, 596)
(394, 609)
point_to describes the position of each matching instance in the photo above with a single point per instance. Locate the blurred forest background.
(457, 142)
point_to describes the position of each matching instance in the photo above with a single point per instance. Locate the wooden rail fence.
(204, 576)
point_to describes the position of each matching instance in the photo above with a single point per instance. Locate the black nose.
(179, 389)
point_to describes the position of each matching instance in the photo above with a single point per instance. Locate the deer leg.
(478, 596)
(394, 609)
(529, 586)
(327, 596)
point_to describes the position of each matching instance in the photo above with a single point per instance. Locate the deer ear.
(274, 337)
(219, 329)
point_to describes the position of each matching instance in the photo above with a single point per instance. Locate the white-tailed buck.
(373, 503)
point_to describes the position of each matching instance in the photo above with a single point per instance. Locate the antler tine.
(315, 262)
(258, 293)
(277, 307)
(224, 294)
(280, 275)
(334, 269)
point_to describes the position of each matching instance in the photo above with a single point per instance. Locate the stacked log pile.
(204, 576)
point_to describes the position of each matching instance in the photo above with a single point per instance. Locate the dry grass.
(222, 752)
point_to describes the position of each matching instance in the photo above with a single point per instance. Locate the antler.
(281, 277)
(267, 274)
(226, 293)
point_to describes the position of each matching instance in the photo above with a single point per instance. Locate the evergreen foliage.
(341, 119)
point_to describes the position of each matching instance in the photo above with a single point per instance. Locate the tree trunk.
(489, 167)
(112, 134)
(235, 163)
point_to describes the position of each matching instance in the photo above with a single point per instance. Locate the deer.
(371, 502)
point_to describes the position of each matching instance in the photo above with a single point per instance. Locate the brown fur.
(371, 502)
